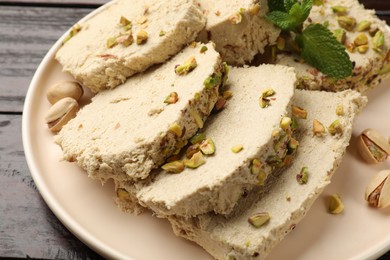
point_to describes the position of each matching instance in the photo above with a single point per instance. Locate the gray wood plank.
(26, 34)
(27, 226)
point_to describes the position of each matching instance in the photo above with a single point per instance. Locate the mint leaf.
(321, 50)
(293, 15)
(276, 5)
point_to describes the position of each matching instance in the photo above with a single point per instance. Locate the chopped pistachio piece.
(122, 193)
(237, 148)
(212, 81)
(207, 146)
(124, 21)
(192, 149)
(195, 161)
(281, 43)
(378, 41)
(285, 123)
(142, 37)
(174, 167)
(339, 10)
(256, 167)
(162, 33)
(227, 94)
(198, 119)
(274, 161)
(335, 128)
(261, 177)
(143, 19)
(347, 22)
(362, 49)
(220, 104)
(197, 96)
(111, 42)
(264, 98)
(198, 138)
(294, 124)
(254, 9)
(350, 47)
(125, 39)
(340, 110)
(340, 35)
(318, 128)
(172, 98)
(75, 29)
(363, 26)
(361, 39)
(259, 219)
(335, 206)
(176, 129)
(189, 65)
(292, 146)
(299, 112)
(203, 49)
(303, 176)
(236, 18)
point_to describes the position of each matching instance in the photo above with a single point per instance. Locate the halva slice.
(238, 28)
(367, 41)
(244, 143)
(252, 231)
(126, 37)
(126, 132)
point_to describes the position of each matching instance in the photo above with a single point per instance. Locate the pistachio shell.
(378, 190)
(60, 113)
(64, 89)
(378, 139)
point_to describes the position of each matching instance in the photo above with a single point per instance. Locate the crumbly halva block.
(367, 42)
(126, 132)
(127, 37)
(220, 182)
(238, 28)
(286, 200)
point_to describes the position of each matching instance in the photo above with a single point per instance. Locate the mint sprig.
(317, 44)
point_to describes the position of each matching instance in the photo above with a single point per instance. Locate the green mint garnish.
(317, 44)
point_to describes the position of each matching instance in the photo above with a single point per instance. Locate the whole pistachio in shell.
(60, 113)
(64, 89)
(378, 190)
(372, 146)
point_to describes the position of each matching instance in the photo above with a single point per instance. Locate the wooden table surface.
(28, 28)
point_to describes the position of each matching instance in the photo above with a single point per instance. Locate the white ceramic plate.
(87, 208)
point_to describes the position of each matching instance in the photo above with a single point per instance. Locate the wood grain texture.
(27, 226)
(26, 35)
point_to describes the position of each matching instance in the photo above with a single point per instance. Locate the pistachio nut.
(264, 98)
(60, 113)
(378, 41)
(360, 40)
(220, 104)
(346, 22)
(142, 37)
(122, 193)
(362, 49)
(237, 148)
(274, 161)
(195, 161)
(192, 149)
(256, 167)
(303, 176)
(111, 42)
(259, 219)
(335, 204)
(281, 43)
(198, 119)
(174, 167)
(318, 128)
(363, 26)
(339, 10)
(299, 112)
(212, 81)
(176, 129)
(340, 110)
(285, 123)
(378, 190)
(162, 33)
(207, 146)
(335, 128)
(64, 89)
(372, 146)
(254, 9)
(75, 29)
(203, 49)
(197, 138)
(235, 18)
(125, 39)
(349, 46)
(227, 94)
(172, 98)
(189, 65)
